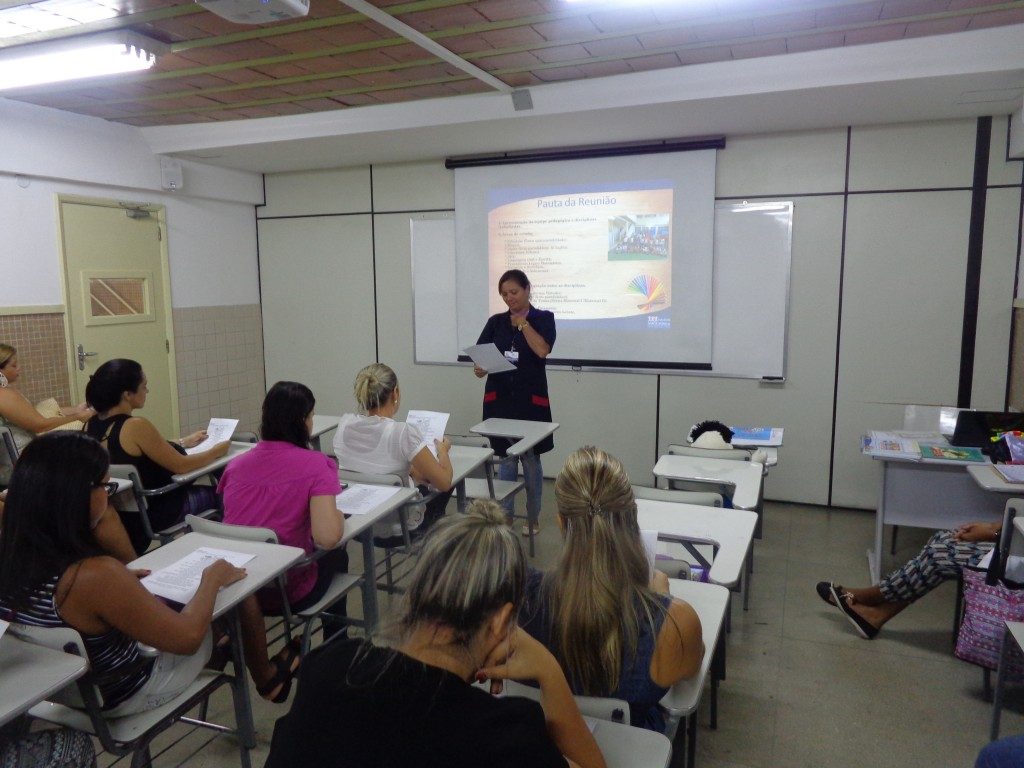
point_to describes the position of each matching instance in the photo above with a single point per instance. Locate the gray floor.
(802, 688)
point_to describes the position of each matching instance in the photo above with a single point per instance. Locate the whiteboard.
(750, 291)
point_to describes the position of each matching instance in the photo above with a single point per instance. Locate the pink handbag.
(989, 601)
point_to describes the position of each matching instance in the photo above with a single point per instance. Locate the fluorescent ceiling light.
(76, 58)
(50, 15)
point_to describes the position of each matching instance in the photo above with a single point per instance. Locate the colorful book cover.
(951, 453)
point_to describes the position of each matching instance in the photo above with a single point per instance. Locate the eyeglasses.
(111, 488)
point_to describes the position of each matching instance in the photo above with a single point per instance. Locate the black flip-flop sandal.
(282, 677)
(824, 590)
(863, 627)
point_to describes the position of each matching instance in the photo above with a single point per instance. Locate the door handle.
(82, 354)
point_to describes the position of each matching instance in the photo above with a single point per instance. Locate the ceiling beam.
(413, 36)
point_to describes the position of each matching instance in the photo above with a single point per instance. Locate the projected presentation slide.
(590, 255)
(619, 248)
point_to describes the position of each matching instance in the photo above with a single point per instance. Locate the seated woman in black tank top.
(116, 389)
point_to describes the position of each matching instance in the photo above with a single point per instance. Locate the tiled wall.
(219, 352)
(42, 353)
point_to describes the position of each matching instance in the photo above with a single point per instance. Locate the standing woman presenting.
(525, 335)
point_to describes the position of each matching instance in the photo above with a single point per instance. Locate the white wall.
(889, 293)
(46, 152)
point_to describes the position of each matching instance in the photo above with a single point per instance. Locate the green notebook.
(951, 453)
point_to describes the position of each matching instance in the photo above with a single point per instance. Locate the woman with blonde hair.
(20, 416)
(413, 703)
(373, 442)
(608, 620)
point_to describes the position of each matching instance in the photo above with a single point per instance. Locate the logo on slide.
(650, 288)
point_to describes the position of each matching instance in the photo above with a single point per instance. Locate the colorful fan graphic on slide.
(650, 288)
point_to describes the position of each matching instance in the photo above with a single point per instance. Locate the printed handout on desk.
(179, 581)
(757, 436)
(431, 425)
(1012, 473)
(489, 357)
(218, 431)
(891, 445)
(360, 499)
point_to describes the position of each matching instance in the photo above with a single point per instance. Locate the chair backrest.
(228, 531)
(351, 476)
(63, 639)
(703, 498)
(728, 454)
(131, 473)
(9, 446)
(245, 437)
(1009, 543)
(598, 707)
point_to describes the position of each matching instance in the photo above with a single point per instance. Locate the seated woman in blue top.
(612, 625)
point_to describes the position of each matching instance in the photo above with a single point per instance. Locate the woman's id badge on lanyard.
(512, 356)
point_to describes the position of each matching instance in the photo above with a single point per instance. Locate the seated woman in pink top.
(283, 485)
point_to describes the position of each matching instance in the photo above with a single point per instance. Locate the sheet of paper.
(1012, 473)
(3, 627)
(650, 540)
(359, 498)
(218, 431)
(591, 722)
(179, 581)
(488, 357)
(431, 425)
(892, 445)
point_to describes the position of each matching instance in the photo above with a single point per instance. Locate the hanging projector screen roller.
(619, 248)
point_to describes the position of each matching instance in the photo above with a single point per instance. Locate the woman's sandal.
(864, 628)
(285, 667)
(824, 590)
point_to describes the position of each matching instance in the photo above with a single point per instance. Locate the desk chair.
(732, 454)
(368, 478)
(9, 445)
(140, 496)
(341, 584)
(678, 551)
(81, 707)
(483, 484)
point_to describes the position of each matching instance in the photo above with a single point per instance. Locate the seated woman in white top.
(374, 442)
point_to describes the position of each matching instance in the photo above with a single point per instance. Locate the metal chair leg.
(895, 530)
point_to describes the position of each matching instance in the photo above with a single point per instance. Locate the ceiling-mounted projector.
(256, 11)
